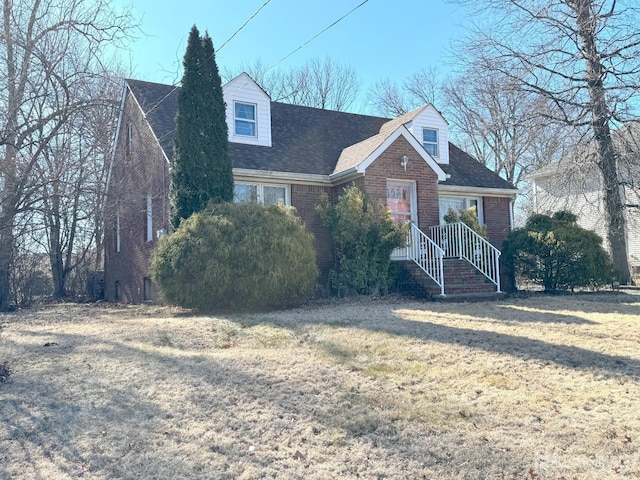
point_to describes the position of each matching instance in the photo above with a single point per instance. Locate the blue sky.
(382, 38)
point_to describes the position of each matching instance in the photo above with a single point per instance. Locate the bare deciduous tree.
(49, 50)
(71, 176)
(501, 125)
(319, 83)
(582, 55)
(391, 99)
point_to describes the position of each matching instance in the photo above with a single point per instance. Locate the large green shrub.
(553, 251)
(237, 257)
(364, 236)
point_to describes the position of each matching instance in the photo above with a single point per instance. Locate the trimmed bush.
(557, 253)
(364, 236)
(237, 257)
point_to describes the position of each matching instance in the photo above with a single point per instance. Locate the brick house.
(293, 154)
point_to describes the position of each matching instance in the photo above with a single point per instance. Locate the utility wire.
(243, 25)
(283, 58)
(311, 39)
(318, 34)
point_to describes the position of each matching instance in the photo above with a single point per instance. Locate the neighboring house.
(294, 154)
(575, 184)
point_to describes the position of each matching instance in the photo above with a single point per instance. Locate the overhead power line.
(318, 34)
(243, 25)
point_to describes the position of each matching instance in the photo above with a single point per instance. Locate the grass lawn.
(545, 387)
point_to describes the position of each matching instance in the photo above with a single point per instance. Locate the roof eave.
(484, 191)
(284, 177)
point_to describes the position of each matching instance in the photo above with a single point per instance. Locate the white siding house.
(579, 191)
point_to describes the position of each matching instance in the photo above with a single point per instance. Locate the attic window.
(245, 119)
(430, 141)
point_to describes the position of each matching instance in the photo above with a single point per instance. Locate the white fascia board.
(477, 191)
(116, 136)
(417, 146)
(281, 177)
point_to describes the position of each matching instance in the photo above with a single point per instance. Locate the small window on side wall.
(129, 139)
(245, 119)
(430, 141)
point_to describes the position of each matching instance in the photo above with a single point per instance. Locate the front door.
(401, 201)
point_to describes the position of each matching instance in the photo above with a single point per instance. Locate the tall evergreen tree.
(202, 166)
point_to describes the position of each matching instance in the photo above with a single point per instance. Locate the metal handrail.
(460, 241)
(426, 254)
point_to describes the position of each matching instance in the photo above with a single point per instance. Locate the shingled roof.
(304, 140)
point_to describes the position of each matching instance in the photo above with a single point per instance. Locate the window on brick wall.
(129, 138)
(149, 229)
(116, 233)
(461, 203)
(147, 294)
(262, 193)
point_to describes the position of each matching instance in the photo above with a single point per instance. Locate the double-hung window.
(245, 119)
(461, 203)
(264, 194)
(430, 141)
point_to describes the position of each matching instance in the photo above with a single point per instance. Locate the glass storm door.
(401, 201)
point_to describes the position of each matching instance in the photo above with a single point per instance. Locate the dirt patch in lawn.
(531, 388)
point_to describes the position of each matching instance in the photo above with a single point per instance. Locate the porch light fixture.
(404, 161)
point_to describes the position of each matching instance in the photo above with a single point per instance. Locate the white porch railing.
(459, 241)
(426, 254)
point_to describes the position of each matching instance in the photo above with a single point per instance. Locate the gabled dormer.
(429, 127)
(248, 111)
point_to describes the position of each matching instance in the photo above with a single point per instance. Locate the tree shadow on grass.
(120, 431)
(591, 302)
(509, 344)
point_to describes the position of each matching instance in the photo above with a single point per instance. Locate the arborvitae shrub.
(557, 253)
(364, 235)
(237, 257)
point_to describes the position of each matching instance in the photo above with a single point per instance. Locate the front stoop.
(462, 283)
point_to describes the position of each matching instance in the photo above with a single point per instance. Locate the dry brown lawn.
(530, 389)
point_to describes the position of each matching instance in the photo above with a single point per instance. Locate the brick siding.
(387, 166)
(305, 198)
(136, 173)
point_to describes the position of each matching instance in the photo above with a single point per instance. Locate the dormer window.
(430, 141)
(245, 119)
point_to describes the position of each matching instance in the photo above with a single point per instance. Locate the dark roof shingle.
(304, 140)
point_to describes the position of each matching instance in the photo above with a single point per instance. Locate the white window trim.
(436, 143)
(118, 231)
(255, 120)
(149, 218)
(129, 138)
(260, 190)
(466, 199)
